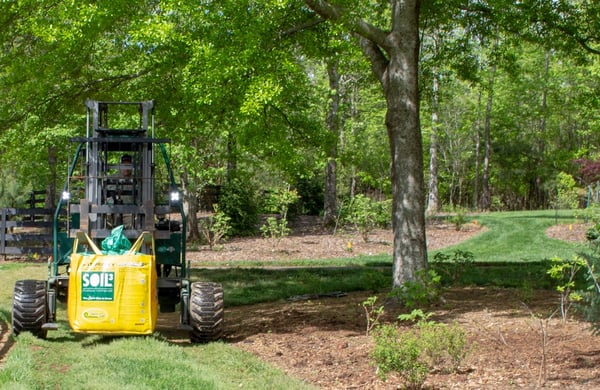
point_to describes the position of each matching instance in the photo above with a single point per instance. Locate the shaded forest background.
(264, 97)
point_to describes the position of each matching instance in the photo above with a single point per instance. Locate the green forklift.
(120, 189)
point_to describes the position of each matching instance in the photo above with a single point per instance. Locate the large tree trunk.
(333, 126)
(399, 78)
(397, 71)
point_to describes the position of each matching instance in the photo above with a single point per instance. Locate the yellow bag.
(110, 293)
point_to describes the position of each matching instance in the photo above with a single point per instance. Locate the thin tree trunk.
(486, 198)
(432, 199)
(333, 126)
(477, 153)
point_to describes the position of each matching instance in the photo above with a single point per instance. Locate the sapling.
(564, 272)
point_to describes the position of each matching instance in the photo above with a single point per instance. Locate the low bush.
(413, 354)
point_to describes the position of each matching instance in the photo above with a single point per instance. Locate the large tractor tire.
(206, 312)
(30, 310)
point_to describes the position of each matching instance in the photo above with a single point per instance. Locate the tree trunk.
(486, 197)
(477, 153)
(399, 78)
(50, 199)
(432, 199)
(397, 71)
(191, 200)
(333, 126)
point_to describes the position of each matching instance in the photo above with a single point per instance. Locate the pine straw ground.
(513, 344)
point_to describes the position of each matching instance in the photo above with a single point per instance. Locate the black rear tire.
(30, 310)
(206, 312)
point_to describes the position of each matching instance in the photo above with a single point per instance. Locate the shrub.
(459, 218)
(455, 265)
(366, 214)
(401, 353)
(215, 227)
(278, 202)
(424, 290)
(590, 306)
(564, 273)
(238, 201)
(373, 312)
(566, 195)
(412, 354)
(275, 229)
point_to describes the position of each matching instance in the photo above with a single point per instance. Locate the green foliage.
(455, 265)
(412, 354)
(310, 190)
(424, 290)
(239, 203)
(589, 214)
(373, 312)
(566, 195)
(366, 214)
(401, 353)
(564, 273)
(415, 315)
(591, 295)
(215, 227)
(278, 201)
(459, 218)
(13, 194)
(275, 229)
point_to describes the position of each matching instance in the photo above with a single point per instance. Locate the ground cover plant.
(287, 317)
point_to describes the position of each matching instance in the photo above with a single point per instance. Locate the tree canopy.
(492, 99)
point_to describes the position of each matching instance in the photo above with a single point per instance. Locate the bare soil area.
(515, 343)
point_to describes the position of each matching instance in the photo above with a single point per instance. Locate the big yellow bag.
(112, 293)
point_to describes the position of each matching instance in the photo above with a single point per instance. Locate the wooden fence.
(27, 231)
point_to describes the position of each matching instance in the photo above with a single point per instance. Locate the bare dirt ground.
(514, 343)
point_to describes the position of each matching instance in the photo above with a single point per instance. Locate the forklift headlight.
(175, 197)
(66, 196)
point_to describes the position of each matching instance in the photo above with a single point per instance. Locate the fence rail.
(27, 231)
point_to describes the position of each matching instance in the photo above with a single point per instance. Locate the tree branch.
(356, 25)
(377, 58)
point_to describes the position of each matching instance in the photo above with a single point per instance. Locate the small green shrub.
(401, 353)
(455, 265)
(590, 302)
(275, 229)
(566, 195)
(373, 312)
(215, 227)
(564, 273)
(445, 346)
(459, 218)
(278, 202)
(415, 315)
(429, 345)
(366, 214)
(420, 292)
(238, 201)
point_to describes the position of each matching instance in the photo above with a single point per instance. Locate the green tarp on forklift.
(116, 243)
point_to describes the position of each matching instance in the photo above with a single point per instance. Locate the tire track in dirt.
(5, 342)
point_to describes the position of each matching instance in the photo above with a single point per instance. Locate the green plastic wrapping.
(116, 243)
